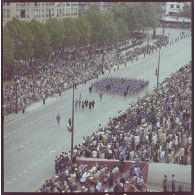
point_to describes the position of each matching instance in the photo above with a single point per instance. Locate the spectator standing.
(165, 183)
(58, 118)
(173, 182)
(116, 187)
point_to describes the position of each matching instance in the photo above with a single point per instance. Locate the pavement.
(32, 140)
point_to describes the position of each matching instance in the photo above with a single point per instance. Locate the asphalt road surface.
(32, 141)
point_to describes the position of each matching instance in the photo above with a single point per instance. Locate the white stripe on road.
(24, 171)
(30, 168)
(19, 175)
(14, 179)
(9, 182)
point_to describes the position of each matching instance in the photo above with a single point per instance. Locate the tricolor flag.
(156, 72)
(69, 125)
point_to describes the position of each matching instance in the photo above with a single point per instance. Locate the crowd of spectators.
(157, 128)
(43, 79)
(100, 177)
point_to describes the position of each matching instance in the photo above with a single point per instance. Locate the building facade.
(40, 11)
(172, 8)
(103, 6)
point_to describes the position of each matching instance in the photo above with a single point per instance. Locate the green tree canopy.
(41, 44)
(84, 30)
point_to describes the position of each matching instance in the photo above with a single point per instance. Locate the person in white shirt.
(94, 154)
(99, 186)
(84, 177)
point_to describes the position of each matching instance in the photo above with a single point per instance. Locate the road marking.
(9, 182)
(40, 161)
(14, 179)
(53, 151)
(19, 175)
(30, 168)
(24, 171)
(34, 164)
(5, 136)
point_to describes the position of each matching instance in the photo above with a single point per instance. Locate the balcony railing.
(180, 187)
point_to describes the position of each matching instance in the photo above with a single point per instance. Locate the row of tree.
(25, 41)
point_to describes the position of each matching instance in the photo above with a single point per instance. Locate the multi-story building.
(172, 8)
(103, 6)
(40, 11)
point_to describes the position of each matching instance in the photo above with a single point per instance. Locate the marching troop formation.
(122, 86)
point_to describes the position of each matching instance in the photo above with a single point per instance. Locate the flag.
(156, 72)
(69, 125)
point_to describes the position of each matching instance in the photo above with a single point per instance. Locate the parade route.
(32, 140)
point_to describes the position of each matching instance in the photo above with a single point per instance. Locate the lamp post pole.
(103, 61)
(158, 69)
(72, 125)
(16, 92)
(148, 43)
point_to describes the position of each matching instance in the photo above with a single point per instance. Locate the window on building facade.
(178, 6)
(22, 13)
(171, 6)
(17, 13)
(17, 4)
(67, 4)
(8, 13)
(22, 4)
(35, 3)
(27, 13)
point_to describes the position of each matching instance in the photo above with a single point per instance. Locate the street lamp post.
(72, 125)
(148, 44)
(103, 60)
(16, 92)
(158, 69)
